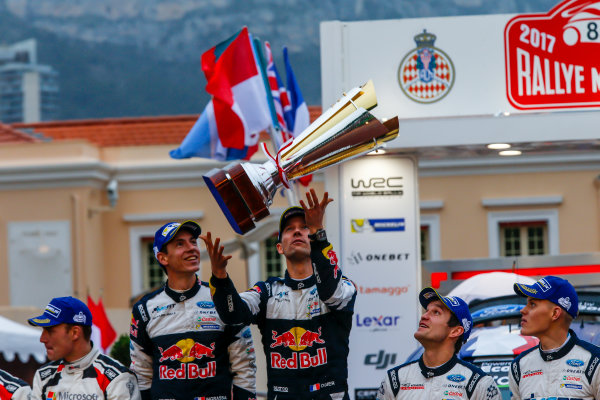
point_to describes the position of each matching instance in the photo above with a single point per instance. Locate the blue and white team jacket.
(570, 373)
(180, 348)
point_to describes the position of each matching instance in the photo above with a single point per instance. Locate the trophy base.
(238, 198)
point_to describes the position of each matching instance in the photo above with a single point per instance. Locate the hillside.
(141, 57)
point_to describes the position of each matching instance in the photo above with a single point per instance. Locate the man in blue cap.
(561, 366)
(180, 349)
(77, 368)
(439, 373)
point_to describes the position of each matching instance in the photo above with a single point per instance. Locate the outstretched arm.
(231, 307)
(334, 289)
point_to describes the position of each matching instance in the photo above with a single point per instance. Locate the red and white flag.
(103, 333)
(238, 92)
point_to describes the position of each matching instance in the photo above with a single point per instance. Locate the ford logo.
(574, 362)
(456, 378)
(205, 304)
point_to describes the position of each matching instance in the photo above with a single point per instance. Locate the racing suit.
(456, 379)
(93, 377)
(12, 388)
(181, 349)
(305, 326)
(570, 372)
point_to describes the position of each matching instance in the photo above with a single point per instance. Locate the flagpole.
(274, 130)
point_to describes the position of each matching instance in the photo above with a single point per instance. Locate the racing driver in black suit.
(305, 318)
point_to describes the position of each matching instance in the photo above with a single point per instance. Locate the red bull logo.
(299, 360)
(330, 254)
(298, 339)
(256, 288)
(186, 350)
(188, 371)
(133, 329)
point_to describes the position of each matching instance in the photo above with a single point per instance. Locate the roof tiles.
(134, 131)
(10, 135)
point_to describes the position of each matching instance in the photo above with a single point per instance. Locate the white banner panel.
(380, 252)
(468, 55)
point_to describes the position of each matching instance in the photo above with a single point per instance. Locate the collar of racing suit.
(299, 284)
(437, 371)
(178, 297)
(82, 363)
(563, 351)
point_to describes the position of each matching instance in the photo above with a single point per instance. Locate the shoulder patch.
(109, 363)
(394, 380)
(48, 370)
(515, 370)
(592, 366)
(473, 381)
(394, 377)
(11, 383)
(472, 367)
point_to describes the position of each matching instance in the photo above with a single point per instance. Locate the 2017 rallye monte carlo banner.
(553, 59)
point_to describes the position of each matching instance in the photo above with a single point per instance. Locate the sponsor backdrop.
(379, 252)
(493, 66)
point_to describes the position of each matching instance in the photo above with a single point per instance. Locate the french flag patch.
(315, 387)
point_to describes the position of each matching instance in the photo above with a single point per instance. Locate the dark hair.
(452, 322)
(86, 330)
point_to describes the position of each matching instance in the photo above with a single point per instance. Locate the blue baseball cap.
(554, 289)
(456, 305)
(288, 214)
(64, 310)
(168, 231)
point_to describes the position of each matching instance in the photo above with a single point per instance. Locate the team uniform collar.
(563, 351)
(81, 364)
(179, 297)
(441, 370)
(299, 284)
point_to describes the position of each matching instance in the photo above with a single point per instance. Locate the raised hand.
(315, 211)
(218, 262)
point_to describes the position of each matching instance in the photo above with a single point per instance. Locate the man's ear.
(279, 248)
(75, 332)
(162, 258)
(456, 331)
(556, 313)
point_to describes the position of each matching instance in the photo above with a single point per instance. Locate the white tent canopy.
(20, 340)
(488, 285)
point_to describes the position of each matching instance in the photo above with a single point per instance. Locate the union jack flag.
(280, 96)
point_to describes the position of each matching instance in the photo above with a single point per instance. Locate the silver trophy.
(245, 191)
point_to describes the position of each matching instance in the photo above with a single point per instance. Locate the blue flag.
(203, 141)
(297, 118)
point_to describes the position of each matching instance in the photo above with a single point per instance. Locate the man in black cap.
(180, 348)
(77, 369)
(561, 366)
(305, 318)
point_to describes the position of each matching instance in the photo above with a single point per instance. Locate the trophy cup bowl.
(347, 130)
